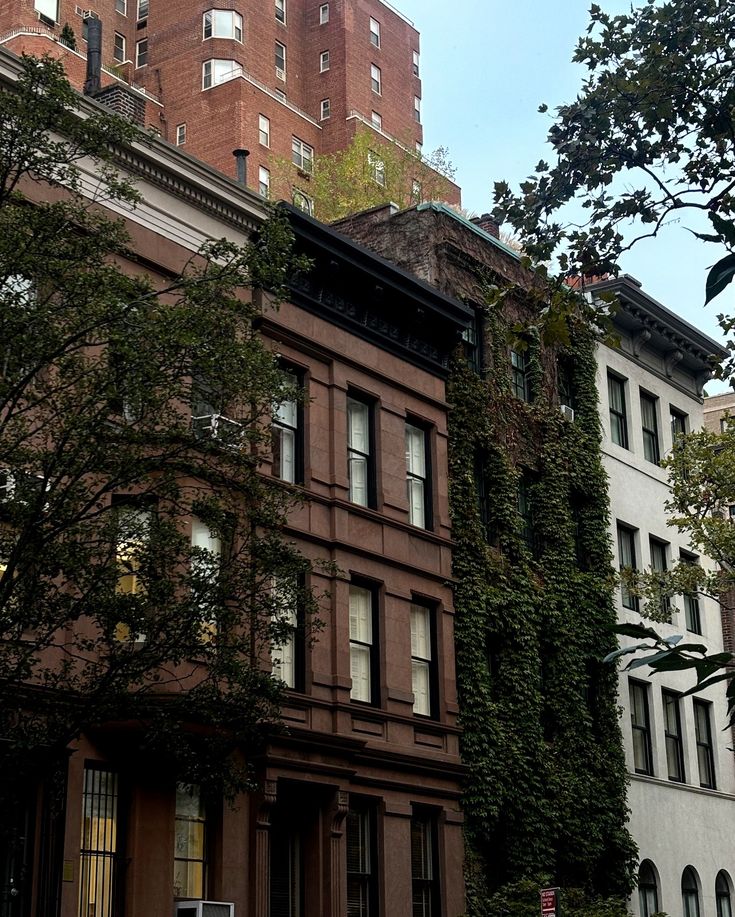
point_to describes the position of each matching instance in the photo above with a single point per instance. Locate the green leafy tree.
(368, 172)
(108, 611)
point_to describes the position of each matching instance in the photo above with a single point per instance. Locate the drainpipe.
(241, 164)
(92, 84)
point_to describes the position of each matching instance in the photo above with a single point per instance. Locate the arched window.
(722, 895)
(689, 893)
(647, 889)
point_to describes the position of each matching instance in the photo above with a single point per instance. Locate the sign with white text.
(550, 902)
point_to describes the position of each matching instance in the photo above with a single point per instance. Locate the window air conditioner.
(216, 426)
(566, 412)
(204, 909)
(280, 74)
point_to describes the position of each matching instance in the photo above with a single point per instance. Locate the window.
(417, 109)
(519, 374)
(417, 194)
(689, 893)
(325, 110)
(362, 654)
(377, 168)
(415, 63)
(618, 416)
(692, 614)
(180, 134)
(422, 657)
(658, 564)
(626, 560)
(705, 753)
(118, 51)
(215, 72)
(376, 120)
(641, 723)
(97, 891)
(374, 32)
(323, 61)
(417, 476)
(302, 155)
(285, 651)
(678, 424)
(264, 182)
(142, 9)
(376, 79)
(419, 149)
(424, 872)
(649, 423)
(280, 61)
(722, 895)
(190, 843)
(121, 6)
(133, 533)
(324, 14)
(672, 733)
(302, 200)
(285, 430)
(359, 451)
(206, 558)
(223, 24)
(524, 511)
(281, 11)
(647, 890)
(361, 876)
(141, 52)
(264, 131)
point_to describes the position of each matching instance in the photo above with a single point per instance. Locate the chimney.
(241, 164)
(486, 222)
(94, 56)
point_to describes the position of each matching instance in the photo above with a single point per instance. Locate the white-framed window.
(377, 120)
(361, 643)
(285, 433)
(206, 558)
(280, 61)
(264, 182)
(419, 148)
(376, 79)
(216, 71)
(222, 24)
(118, 50)
(359, 450)
(323, 61)
(180, 134)
(324, 14)
(325, 110)
(285, 618)
(141, 52)
(415, 63)
(377, 168)
(121, 6)
(374, 32)
(417, 109)
(302, 200)
(264, 131)
(143, 7)
(421, 659)
(281, 11)
(49, 9)
(302, 155)
(416, 475)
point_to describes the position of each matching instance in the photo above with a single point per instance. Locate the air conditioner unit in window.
(566, 412)
(280, 74)
(204, 909)
(216, 426)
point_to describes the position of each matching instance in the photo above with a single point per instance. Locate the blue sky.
(486, 66)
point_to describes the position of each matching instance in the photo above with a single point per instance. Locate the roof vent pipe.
(241, 163)
(92, 84)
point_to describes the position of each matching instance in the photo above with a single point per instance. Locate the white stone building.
(682, 769)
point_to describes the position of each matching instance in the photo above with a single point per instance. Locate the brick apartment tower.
(280, 78)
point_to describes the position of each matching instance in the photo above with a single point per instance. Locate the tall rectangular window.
(324, 61)
(376, 119)
(324, 14)
(659, 565)
(641, 723)
(359, 451)
(264, 182)
(627, 559)
(705, 752)
(264, 131)
(417, 476)
(416, 63)
(525, 514)
(618, 414)
(190, 861)
(222, 24)
(280, 61)
(285, 648)
(649, 424)
(281, 11)
(422, 660)
(672, 733)
(361, 860)
(133, 534)
(141, 52)
(206, 561)
(180, 134)
(143, 6)
(679, 422)
(692, 613)
(417, 109)
(302, 155)
(325, 110)
(376, 79)
(97, 867)
(374, 32)
(286, 433)
(121, 6)
(519, 374)
(377, 168)
(362, 644)
(118, 51)
(424, 866)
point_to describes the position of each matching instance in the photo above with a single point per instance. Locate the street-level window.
(649, 424)
(264, 182)
(362, 644)
(190, 842)
(361, 875)
(264, 131)
(618, 414)
(705, 751)
(641, 725)
(722, 895)
(359, 451)
(422, 660)
(376, 79)
(222, 24)
(374, 32)
(302, 155)
(99, 846)
(672, 733)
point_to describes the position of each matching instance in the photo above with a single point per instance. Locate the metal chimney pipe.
(92, 84)
(241, 163)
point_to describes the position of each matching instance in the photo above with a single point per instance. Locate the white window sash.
(360, 672)
(420, 684)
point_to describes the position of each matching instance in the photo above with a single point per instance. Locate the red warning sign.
(550, 902)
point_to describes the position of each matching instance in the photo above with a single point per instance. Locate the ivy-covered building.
(545, 799)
